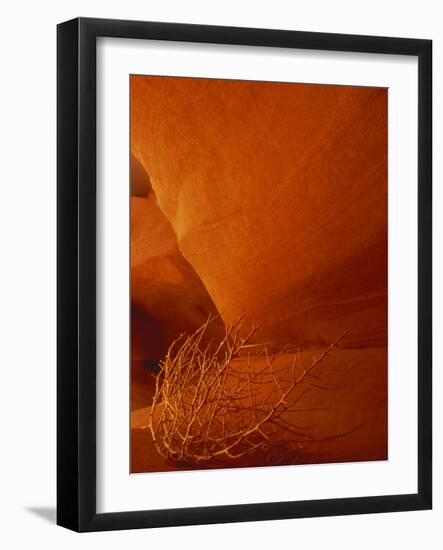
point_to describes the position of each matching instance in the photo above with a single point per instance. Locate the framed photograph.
(244, 274)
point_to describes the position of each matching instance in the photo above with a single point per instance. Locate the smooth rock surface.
(167, 297)
(278, 197)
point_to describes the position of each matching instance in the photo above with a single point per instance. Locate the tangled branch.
(227, 400)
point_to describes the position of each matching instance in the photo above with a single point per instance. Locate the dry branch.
(227, 400)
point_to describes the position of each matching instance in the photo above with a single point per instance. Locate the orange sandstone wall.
(277, 196)
(167, 297)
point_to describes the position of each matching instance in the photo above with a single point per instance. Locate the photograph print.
(259, 273)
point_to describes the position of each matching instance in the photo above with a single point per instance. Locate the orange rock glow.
(267, 200)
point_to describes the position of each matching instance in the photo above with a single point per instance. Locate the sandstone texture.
(167, 297)
(267, 200)
(278, 198)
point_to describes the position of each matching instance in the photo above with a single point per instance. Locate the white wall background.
(27, 289)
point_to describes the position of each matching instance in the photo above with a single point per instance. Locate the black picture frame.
(76, 266)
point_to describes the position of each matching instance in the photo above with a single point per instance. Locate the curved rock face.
(167, 297)
(278, 198)
(140, 182)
